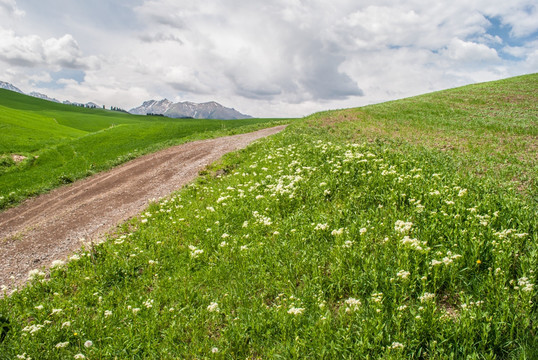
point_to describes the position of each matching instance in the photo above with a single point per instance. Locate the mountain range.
(208, 110)
(10, 87)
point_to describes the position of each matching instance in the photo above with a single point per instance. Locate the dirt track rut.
(53, 225)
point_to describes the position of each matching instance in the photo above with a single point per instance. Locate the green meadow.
(403, 230)
(63, 143)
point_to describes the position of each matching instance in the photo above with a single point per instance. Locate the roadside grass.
(66, 143)
(317, 242)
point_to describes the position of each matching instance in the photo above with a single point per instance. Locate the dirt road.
(53, 225)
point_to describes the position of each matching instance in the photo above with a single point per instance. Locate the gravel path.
(54, 225)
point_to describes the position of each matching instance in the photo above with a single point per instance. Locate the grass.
(332, 239)
(64, 143)
(491, 128)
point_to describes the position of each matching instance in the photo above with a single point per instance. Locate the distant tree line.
(87, 106)
(115, 108)
(152, 114)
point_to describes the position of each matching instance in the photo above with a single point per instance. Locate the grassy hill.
(63, 143)
(391, 231)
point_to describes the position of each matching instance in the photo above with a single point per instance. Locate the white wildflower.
(347, 244)
(377, 297)
(426, 297)
(33, 328)
(295, 311)
(213, 307)
(321, 226)
(396, 345)
(108, 313)
(525, 284)
(57, 264)
(66, 324)
(32, 274)
(353, 304)
(88, 343)
(403, 274)
(215, 350)
(337, 232)
(80, 356)
(62, 345)
(413, 243)
(195, 252)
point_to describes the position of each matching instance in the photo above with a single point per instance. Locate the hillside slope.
(490, 128)
(370, 233)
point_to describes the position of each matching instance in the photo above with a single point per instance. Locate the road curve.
(51, 226)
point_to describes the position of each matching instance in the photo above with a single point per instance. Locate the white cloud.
(272, 57)
(9, 8)
(33, 51)
(470, 52)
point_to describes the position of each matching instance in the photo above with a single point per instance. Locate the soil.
(52, 226)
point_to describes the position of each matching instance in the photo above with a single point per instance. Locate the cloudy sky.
(264, 58)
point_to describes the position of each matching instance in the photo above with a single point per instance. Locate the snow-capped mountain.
(208, 110)
(8, 86)
(42, 96)
(152, 107)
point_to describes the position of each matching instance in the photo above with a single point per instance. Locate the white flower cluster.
(282, 188)
(347, 244)
(57, 264)
(33, 328)
(34, 274)
(337, 232)
(426, 297)
(213, 307)
(403, 274)
(352, 304)
(321, 226)
(195, 252)
(402, 226)
(261, 219)
(414, 243)
(377, 297)
(295, 310)
(524, 284)
(447, 260)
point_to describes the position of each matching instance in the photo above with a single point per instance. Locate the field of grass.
(354, 234)
(65, 143)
